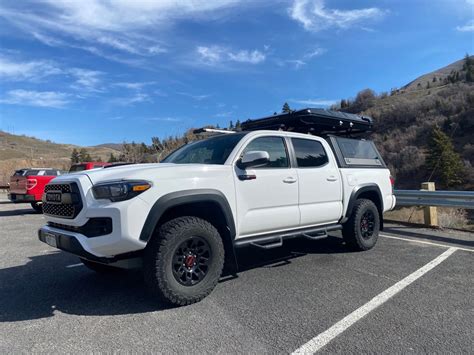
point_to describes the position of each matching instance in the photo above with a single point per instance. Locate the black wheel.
(37, 206)
(100, 268)
(361, 231)
(184, 260)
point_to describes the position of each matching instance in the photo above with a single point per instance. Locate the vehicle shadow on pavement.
(252, 257)
(19, 212)
(405, 232)
(46, 285)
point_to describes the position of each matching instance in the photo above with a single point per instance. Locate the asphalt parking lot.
(412, 293)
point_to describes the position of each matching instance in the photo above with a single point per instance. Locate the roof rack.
(212, 130)
(313, 120)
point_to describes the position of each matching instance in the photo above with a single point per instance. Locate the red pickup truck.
(27, 185)
(87, 166)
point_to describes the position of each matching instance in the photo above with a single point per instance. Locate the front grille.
(64, 188)
(70, 193)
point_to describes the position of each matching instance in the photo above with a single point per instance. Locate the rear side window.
(309, 153)
(275, 147)
(359, 152)
(33, 172)
(51, 173)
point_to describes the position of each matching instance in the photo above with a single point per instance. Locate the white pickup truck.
(184, 218)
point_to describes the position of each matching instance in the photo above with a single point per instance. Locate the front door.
(267, 197)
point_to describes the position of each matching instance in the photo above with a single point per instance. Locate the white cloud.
(314, 102)
(218, 54)
(314, 16)
(315, 53)
(117, 26)
(296, 63)
(164, 119)
(86, 80)
(132, 100)
(134, 85)
(468, 27)
(36, 98)
(193, 96)
(245, 56)
(33, 70)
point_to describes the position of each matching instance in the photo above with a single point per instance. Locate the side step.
(275, 240)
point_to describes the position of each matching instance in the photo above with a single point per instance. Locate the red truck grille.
(67, 202)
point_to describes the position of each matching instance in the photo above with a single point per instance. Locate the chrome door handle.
(289, 180)
(331, 178)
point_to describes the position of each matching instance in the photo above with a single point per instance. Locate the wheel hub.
(191, 261)
(367, 224)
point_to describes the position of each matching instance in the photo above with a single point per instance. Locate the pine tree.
(286, 108)
(231, 125)
(84, 156)
(74, 156)
(237, 124)
(112, 158)
(443, 159)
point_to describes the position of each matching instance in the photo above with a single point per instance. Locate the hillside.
(22, 151)
(404, 119)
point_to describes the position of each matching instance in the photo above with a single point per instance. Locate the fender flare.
(178, 198)
(371, 187)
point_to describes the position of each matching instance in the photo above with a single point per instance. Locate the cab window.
(309, 153)
(275, 146)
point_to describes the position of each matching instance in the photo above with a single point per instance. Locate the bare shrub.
(453, 218)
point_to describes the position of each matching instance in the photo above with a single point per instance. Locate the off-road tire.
(100, 268)
(158, 260)
(352, 230)
(37, 206)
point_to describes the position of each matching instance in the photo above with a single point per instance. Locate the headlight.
(119, 190)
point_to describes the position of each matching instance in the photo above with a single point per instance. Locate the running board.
(275, 240)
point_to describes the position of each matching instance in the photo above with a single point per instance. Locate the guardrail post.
(431, 212)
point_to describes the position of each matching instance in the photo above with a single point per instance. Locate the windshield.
(214, 150)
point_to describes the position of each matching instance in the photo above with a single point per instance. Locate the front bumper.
(71, 244)
(17, 198)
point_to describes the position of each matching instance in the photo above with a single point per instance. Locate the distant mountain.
(23, 151)
(404, 119)
(114, 146)
(437, 76)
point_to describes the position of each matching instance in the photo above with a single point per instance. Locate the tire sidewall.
(367, 243)
(164, 262)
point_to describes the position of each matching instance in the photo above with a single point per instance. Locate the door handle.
(331, 178)
(289, 180)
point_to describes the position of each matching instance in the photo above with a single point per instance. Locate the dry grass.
(447, 217)
(18, 152)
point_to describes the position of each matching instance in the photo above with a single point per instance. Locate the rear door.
(267, 197)
(320, 187)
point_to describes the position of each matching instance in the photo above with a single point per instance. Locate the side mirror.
(254, 159)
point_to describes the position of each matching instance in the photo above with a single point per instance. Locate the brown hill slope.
(405, 117)
(23, 151)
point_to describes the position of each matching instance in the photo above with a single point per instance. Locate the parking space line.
(424, 242)
(74, 265)
(325, 337)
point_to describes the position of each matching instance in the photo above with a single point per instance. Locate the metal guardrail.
(456, 199)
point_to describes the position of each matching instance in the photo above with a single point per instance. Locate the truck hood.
(144, 172)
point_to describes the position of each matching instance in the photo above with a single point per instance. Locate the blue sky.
(92, 71)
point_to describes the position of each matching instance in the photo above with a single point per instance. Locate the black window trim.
(296, 160)
(289, 156)
(341, 163)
